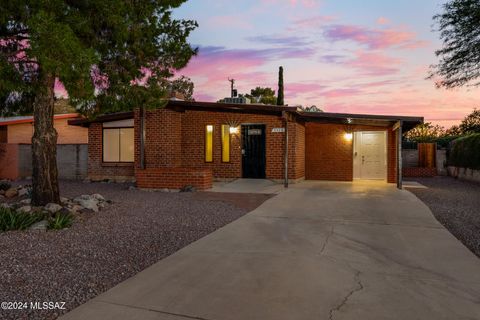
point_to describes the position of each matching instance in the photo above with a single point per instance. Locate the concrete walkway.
(316, 251)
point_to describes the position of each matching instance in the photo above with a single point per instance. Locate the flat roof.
(5, 121)
(326, 117)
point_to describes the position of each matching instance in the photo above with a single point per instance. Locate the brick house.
(195, 143)
(16, 138)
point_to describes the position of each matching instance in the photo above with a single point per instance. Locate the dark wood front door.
(253, 151)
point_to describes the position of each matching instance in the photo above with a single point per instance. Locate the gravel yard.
(456, 205)
(103, 249)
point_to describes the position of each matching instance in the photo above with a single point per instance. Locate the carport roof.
(360, 119)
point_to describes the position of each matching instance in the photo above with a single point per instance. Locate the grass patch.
(14, 220)
(60, 221)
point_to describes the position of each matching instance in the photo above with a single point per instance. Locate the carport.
(346, 147)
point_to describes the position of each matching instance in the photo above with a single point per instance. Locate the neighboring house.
(15, 146)
(194, 143)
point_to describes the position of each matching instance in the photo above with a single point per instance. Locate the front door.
(370, 158)
(253, 151)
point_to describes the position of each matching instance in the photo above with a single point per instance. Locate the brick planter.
(174, 178)
(419, 172)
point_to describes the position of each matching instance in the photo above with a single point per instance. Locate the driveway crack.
(357, 288)
(327, 239)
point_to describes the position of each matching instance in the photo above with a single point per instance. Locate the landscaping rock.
(64, 200)
(25, 209)
(40, 226)
(131, 188)
(5, 205)
(22, 192)
(25, 201)
(11, 193)
(88, 203)
(188, 188)
(98, 196)
(53, 207)
(2, 192)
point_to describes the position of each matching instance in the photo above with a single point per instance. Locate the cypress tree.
(280, 101)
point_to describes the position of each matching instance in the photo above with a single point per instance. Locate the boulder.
(11, 193)
(91, 204)
(22, 192)
(5, 205)
(64, 200)
(25, 209)
(53, 207)
(41, 225)
(98, 196)
(25, 201)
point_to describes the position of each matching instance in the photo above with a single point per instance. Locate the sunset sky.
(368, 56)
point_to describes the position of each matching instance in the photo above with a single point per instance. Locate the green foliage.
(471, 123)
(425, 132)
(280, 98)
(183, 85)
(15, 220)
(459, 58)
(60, 221)
(5, 185)
(263, 95)
(465, 152)
(111, 55)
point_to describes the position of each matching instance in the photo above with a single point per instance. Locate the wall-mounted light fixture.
(209, 128)
(348, 136)
(233, 130)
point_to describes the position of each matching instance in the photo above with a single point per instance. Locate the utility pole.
(280, 97)
(232, 82)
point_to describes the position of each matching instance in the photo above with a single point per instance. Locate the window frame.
(119, 145)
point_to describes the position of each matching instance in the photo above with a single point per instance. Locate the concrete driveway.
(319, 250)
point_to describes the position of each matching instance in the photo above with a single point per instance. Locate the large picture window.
(118, 145)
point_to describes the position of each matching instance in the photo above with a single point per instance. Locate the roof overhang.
(29, 119)
(361, 119)
(84, 122)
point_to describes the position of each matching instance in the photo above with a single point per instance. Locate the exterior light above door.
(233, 130)
(348, 136)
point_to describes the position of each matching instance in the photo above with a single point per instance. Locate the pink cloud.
(383, 20)
(374, 38)
(374, 63)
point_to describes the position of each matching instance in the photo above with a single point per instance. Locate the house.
(15, 145)
(195, 143)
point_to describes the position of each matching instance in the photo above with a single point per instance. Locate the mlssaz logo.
(47, 305)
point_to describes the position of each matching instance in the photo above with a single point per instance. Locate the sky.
(351, 56)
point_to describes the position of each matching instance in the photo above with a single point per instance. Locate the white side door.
(371, 155)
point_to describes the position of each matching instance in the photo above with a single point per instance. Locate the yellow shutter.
(209, 143)
(225, 143)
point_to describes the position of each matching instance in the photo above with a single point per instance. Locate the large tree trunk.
(44, 147)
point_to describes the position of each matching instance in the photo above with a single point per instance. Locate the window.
(118, 145)
(225, 143)
(209, 143)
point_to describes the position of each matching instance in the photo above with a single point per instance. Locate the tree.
(459, 58)
(454, 131)
(425, 132)
(111, 55)
(182, 85)
(313, 108)
(263, 95)
(471, 123)
(280, 98)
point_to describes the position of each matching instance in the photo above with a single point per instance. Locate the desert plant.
(61, 221)
(11, 219)
(5, 185)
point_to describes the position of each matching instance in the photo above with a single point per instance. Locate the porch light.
(209, 128)
(233, 130)
(348, 136)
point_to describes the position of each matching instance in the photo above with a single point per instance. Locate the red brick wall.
(97, 170)
(328, 156)
(9, 161)
(173, 178)
(419, 172)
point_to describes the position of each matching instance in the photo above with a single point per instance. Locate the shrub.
(61, 221)
(14, 220)
(465, 152)
(5, 185)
